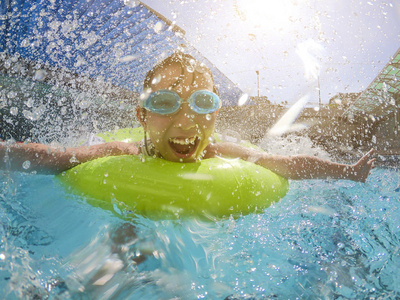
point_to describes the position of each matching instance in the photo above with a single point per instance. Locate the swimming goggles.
(167, 102)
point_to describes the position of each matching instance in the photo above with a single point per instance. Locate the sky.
(313, 48)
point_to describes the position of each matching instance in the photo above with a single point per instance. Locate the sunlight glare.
(267, 13)
(311, 54)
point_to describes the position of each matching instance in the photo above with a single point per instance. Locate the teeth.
(187, 141)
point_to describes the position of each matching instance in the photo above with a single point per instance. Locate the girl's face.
(183, 135)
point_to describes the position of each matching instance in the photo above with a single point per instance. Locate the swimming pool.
(324, 239)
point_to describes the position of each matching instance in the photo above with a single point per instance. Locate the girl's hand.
(361, 169)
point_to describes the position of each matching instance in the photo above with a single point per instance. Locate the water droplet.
(11, 94)
(25, 43)
(158, 27)
(84, 104)
(30, 102)
(7, 64)
(15, 57)
(14, 111)
(27, 114)
(128, 58)
(338, 101)
(190, 68)
(252, 37)
(201, 68)
(36, 44)
(73, 160)
(131, 3)
(243, 99)
(40, 75)
(156, 79)
(26, 164)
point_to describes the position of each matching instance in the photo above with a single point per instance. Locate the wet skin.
(183, 135)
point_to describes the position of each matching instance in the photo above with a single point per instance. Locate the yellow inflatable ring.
(213, 188)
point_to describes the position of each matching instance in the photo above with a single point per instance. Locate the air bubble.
(26, 164)
(14, 111)
(208, 117)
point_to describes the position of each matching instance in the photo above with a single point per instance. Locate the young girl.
(178, 109)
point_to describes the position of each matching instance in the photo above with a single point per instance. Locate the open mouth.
(184, 147)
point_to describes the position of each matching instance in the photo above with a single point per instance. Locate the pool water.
(325, 239)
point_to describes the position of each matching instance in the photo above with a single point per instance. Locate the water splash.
(285, 123)
(311, 54)
(243, 99)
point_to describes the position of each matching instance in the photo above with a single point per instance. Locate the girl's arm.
(50, 160)
(297, 166)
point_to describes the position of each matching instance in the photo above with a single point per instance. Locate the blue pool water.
(325, 239)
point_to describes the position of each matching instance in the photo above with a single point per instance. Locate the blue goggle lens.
(163, 102)
(167, 102)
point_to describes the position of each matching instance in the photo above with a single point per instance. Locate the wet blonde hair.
(188, 64)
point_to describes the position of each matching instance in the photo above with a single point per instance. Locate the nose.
(184, 118)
